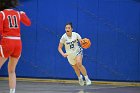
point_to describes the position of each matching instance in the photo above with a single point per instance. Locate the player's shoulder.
(64, 35)
(2, 15)
(21, 12)
(0, 12)
(75, 33)
(9, 11)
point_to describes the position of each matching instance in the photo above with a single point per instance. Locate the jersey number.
(11, 23)
(71, 45)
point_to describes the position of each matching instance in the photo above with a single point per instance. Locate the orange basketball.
(86, 43)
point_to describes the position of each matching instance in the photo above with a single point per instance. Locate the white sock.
(80, 77)
(12, 90)
(86, 77)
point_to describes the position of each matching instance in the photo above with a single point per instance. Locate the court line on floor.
(75, 81)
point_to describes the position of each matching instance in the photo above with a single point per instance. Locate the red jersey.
(10, 22)
(10, 44)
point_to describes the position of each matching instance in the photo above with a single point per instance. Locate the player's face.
(68, 30)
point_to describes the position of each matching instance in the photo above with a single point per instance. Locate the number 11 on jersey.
(11, 23)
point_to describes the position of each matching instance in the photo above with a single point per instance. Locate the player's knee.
(79, 64)
(74, 67)
(11, 71)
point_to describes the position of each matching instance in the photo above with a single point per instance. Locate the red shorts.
(10, 47)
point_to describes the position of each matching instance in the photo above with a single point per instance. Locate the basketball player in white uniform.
(73, 52)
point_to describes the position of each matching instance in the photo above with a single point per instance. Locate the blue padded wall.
(113, 26)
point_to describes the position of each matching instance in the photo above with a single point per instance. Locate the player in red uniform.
(10, 41)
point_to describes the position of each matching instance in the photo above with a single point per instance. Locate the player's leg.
(13, 60)
(71, 60)
(2, 58)
(77, 71)
(11, 72)
(2, 61)
(80, 66)
(82, 69)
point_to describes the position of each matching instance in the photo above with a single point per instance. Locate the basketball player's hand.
(81, 41)
(65, 55)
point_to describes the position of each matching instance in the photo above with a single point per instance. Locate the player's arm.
(60, 46)
(24, 19)
(80, 39)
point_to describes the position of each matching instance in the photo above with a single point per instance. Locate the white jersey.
(71, 43)
(72, 46)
